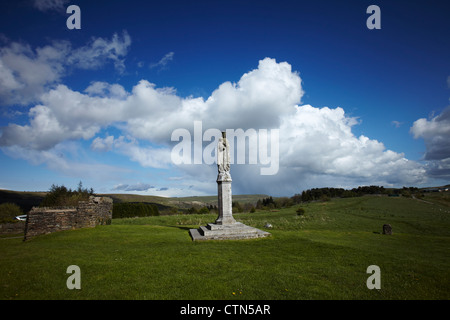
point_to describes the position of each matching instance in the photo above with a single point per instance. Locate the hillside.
(26, 200)
(321, 254)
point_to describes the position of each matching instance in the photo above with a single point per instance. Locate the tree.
(236, 207)
(203, 210)
(8, 211)
(259, 204)
(60, 196)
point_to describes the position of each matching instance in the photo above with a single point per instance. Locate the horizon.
(241, 194)
(343, 105)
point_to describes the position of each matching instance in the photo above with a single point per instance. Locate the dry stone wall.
(12, 228)
(88, 214)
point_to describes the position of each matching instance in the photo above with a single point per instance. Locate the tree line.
(314, 194)
(325, 194)
(134, 209)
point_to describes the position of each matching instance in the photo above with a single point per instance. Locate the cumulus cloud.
(102, 145)
(436, 134)
(59, 159)
(315, 143)
(258, 100)
(321, 140)
(104, 89)
(146, 156)
(27, 73)
(100, 51)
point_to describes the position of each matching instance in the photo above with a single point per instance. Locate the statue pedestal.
(225, 201)
(235, 231)
(226, 227)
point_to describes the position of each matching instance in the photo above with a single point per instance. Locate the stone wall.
(12, 228)
(88, 214)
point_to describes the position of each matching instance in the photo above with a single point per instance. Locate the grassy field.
(323, 254)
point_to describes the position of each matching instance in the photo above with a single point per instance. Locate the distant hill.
(27, 200)
(183, 202)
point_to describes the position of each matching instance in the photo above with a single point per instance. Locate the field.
(323, 254)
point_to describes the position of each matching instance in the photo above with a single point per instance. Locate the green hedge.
(130, 210)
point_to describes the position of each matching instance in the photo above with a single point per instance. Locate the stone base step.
(233, 231)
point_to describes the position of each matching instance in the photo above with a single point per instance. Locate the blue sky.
(353, 106)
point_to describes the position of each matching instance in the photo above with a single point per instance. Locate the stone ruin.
(88, 214)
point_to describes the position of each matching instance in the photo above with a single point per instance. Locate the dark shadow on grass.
(182, 228)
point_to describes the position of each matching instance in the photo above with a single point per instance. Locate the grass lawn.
(323, 254)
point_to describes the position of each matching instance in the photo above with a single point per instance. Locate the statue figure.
(223, 158)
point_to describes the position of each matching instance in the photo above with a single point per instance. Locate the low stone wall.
(88, 214)
(12, 228)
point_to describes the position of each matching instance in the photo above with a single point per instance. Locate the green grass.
(323, 254)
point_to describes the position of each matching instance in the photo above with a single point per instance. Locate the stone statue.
(225, 226)
(223, 159)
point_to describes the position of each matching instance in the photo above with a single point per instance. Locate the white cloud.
(58, 159)
(134, 187)
(163, 62)
(100, 51)
(104, 89)
(64, 115)
(396, 123)
(152, 113)
(321, 140)
(146, 156)
(48, 5)
(102, 145)
(436, 134)
(25, 74)
(316, 144)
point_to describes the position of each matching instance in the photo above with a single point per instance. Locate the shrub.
(203, 210)
(60, 196)
(192, 210)
(8, 211)
(300, 211)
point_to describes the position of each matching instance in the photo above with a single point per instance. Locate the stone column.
(225, 202)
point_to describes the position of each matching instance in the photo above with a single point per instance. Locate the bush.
(203, 210)
(8, 211)
(300, 211)
(192, 210)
